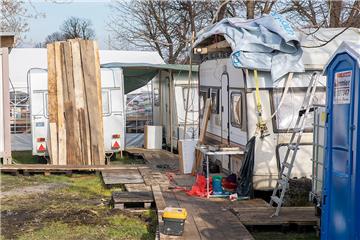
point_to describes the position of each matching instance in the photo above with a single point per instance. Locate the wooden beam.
(7, 41)
(203, 129)
(216, 47)
(6, 106)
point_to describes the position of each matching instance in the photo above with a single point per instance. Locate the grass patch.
(126, 159)
(26, 157)
(75, 210)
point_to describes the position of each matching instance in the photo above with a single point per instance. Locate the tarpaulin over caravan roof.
(268, 43)
(137, 75)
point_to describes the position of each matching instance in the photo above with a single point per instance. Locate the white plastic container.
(187, 155)
(153, 137)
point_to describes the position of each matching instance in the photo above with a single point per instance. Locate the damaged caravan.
(234, 111)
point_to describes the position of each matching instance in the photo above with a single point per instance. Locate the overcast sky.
(96, 11)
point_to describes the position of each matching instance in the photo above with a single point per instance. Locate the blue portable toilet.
(340, 217)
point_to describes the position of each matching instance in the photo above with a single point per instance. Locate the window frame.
(276, 129)
(108, 113)
(234, 124)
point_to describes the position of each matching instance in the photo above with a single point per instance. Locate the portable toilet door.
(341, 189)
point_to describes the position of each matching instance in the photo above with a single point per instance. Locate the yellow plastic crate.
(175, 213)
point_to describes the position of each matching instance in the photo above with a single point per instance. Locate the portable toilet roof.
(350, 48)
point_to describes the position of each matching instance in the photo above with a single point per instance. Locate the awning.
(137, 75)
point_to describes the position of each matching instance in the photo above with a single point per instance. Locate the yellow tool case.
(174, 220)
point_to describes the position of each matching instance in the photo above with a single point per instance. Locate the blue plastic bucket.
(217, 187)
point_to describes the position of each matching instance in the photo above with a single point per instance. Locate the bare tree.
(75, 27)
(323, 13)
(14, 16)
(164, 26)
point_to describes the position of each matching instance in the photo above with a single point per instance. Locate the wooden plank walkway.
(260, 216)
(157, 159)
(206, 219)
(121, 176)
(65, 168)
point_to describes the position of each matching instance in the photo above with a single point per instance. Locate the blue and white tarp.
(268, 43)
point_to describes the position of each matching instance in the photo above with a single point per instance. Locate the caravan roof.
(315, 57)
(23, 59)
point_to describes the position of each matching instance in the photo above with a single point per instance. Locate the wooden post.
(6, 155)
(204, 124)
(171, 79)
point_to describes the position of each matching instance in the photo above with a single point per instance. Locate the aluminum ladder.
(283, 182)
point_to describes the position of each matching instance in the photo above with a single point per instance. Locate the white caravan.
(112, 85)
(21, 60)
(169, 106)
(216, 71)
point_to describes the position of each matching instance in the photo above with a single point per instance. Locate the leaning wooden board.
(75, 104)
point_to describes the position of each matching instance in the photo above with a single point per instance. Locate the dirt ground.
(60, 207)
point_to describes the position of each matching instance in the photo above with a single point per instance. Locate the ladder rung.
(286, 164)
(293, 146)
(284, 177)
(297, 130)
(276, 199)
(283, 182)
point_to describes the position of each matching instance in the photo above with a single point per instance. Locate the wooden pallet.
(260, 216)
(122, 200)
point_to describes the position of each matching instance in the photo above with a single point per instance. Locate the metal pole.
(189, 84)
(207, 177)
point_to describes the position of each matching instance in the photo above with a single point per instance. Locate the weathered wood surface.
(75, 103)
(203, 129)
(121, 200)
(132, 197)
(121, 177)
(54, 168)
(260, 216)
(161, 160)
(207, 219)
(153, 177)
(137, 187)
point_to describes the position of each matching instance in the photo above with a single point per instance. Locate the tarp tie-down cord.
(261, 124)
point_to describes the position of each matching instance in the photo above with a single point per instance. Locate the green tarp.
(137, 75)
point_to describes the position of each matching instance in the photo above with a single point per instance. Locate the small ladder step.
(276, 199)
(293, 146)
(283, 182)
(286, 164)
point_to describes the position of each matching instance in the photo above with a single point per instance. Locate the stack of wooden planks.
(74, 103)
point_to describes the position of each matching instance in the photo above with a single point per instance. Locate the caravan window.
(215, 106)
(286, 116)
(105, 102)
(236, 109)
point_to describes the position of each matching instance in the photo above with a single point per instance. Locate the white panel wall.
(1, 108)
